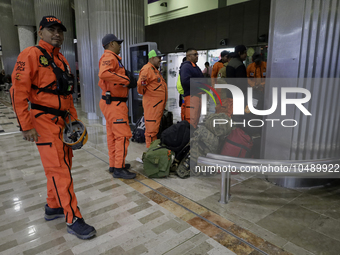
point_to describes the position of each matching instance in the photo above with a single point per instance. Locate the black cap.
(257, 56)
(48, 21)
(224, 53)
(240, 48)
(110, 38)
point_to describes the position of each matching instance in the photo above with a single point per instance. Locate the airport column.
(306, 57)
(24, 19)
(9, 36)
(95, 19)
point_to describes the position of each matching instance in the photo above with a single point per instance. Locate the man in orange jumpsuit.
(155, 94)
(256, 72)
(114, 84)
(192, 96)
(221, 74)
(219, 64)
(36, 80)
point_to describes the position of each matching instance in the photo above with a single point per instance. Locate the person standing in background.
(114, 84)
(256, 72)
(236, 69)
(219, 64)
(207, 70)
(192, 99)
(181, 93)
(154, 89)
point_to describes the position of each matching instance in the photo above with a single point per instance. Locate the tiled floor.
(160, 216)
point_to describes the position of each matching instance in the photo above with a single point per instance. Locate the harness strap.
(49, 110)
(46, 88)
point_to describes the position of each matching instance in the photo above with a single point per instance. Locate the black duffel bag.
(176, 137)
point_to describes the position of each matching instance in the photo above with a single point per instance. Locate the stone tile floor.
(159, 216)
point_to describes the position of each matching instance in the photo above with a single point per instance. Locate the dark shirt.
(189, 70)
(236, 69)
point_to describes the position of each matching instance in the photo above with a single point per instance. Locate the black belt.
(49, 110)
(120, 99)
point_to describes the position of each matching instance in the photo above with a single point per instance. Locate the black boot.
(123, 173)
(127, 167)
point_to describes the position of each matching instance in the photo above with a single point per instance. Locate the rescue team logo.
(51, 19)
(106, 63)
(43, 60)
(208, 92)
(20, 66)
(17, 76)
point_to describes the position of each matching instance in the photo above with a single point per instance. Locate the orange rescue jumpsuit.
(217, 66)
(227, 103)
(112, 78)
(155, 94)
(32, 71)
(257, 74)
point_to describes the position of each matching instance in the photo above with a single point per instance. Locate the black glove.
(133, 80)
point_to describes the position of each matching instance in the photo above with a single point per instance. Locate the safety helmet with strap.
(74, 134)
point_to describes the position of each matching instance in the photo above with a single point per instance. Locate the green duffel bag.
(157, 160)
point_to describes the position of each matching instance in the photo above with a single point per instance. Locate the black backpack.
(177, 136)
(166, 122)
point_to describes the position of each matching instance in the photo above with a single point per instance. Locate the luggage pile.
(168, 152)
(180, 145)
(209, 139)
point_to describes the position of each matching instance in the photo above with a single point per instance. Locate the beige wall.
(154, 13)
(176, 9)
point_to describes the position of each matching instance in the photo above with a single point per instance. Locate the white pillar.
(26, 37)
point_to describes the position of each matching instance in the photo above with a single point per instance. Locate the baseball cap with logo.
(48, 21)
(155, 53)
(110, 38)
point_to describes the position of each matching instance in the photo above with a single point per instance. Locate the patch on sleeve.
(106, 63)
(21, 65)
(143, 83)
(17, 76)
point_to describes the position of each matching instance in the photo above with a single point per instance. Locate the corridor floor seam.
(212, 223)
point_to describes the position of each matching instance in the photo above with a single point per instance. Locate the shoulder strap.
(50, 59)
(43, 51)
(119, 61)
(56, 70)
